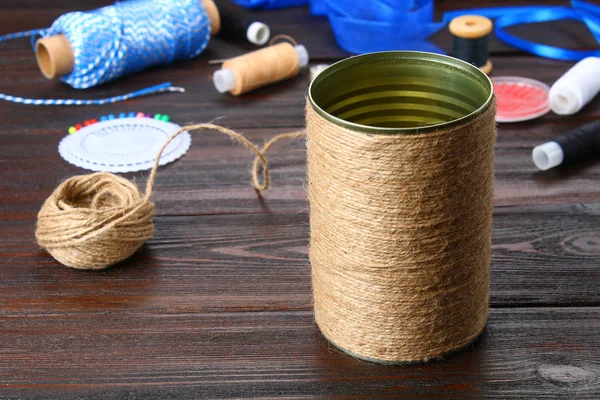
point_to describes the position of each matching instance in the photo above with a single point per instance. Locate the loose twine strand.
(97, 220)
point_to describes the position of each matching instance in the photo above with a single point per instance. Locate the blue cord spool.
(117, 40)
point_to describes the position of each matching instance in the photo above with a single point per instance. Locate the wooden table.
(218, 303)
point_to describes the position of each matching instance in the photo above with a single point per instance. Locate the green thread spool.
(471, 36)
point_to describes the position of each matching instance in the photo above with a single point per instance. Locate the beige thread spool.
(260, 68)
(54, 54)
(400, 181)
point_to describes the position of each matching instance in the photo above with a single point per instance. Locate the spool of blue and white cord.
(117, 40)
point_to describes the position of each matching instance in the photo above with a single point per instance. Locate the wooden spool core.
(54, 56)
(213, 14)
(487, 68)
(470, 26)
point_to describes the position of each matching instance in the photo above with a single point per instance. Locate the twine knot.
(94, 221)
(97, 220)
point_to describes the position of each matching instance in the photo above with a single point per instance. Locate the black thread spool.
(471, 36)
(570, 148)
(237, 26)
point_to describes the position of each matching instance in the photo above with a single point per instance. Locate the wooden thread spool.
(471, 37)
(54, 54)
(213, 15)
(260, 68)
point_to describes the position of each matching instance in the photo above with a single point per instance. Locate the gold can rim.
(421, 57)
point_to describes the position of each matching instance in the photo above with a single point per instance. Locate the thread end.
(224, 80)
(258, 33)
(565, 101)
(302, 53)
(547, 155)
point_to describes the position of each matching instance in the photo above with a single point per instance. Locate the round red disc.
(520, 99)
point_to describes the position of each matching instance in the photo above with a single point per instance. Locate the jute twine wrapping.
(400, 237)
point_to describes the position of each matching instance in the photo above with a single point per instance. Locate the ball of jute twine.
(94, 221)
(400, 228)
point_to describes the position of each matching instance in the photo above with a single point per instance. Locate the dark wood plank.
(526, 353)
(541, 255)
(218, 303)
(546, 255)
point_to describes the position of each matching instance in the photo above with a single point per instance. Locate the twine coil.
(400, 223)
(94, 221)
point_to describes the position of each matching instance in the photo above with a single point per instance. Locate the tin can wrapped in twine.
(400, 171)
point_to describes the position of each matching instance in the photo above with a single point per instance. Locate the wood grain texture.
(218, 303)
(542, 255)
(525, 353)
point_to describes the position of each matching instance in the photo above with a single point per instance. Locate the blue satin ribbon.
(371, 25)
(380, 25)
(270, 4)
(510, 16)
(318, 7)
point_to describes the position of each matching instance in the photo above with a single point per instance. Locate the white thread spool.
(258, 33)
(576, 88)
(547, 155)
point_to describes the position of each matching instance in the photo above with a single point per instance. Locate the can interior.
(394, 92)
